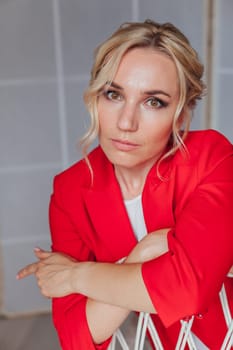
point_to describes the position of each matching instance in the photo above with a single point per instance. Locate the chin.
(127, 162)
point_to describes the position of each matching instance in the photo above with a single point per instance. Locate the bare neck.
(131, 181)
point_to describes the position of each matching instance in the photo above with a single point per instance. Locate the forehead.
(146, 68)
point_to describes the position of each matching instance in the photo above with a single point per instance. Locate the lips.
(124, 145)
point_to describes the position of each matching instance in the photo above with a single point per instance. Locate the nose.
(128, 118)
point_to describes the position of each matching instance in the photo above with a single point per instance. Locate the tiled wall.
(223, 68)
(46, 53)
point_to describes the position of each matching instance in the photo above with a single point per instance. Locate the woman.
(144, 222)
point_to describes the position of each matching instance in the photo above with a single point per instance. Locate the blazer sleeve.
(69, 313)
(184, 281)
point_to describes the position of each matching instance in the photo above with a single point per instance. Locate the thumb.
(41, 254)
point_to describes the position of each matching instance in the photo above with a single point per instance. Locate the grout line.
(42, 80)
(31, 167)
(8, 316)
(204, 52)
(78, 78)
(135, 10)
(225, 70)
(25, 239)
(60, 85)
(215, 65)
(209, 10)
(31, 81)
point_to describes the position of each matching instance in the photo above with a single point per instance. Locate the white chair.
(118, 336)
(185, 336)
(145, 324)
(228, 340)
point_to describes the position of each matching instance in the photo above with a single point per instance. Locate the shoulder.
(209, 146)
(79, 174)
(208, 158)
(210, 137)
(205, 151)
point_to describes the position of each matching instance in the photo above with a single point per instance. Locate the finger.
(27, 270)
(41, 254)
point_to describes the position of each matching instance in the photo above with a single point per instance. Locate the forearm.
(112, 290)
(150, 247)
(104, 319)
(118, 285)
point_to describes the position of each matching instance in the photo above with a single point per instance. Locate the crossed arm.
(113, 290)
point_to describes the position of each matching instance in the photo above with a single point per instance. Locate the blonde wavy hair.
(165, 38)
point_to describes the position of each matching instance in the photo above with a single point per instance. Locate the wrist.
(79, 276)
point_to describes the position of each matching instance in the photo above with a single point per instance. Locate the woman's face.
(136, 110)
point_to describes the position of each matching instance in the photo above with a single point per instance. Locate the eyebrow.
(149, 92)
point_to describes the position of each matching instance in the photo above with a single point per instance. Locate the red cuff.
(72, 326)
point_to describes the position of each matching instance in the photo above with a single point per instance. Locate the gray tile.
(224, 105)
(224, 32)
(26, 39)
(198, 121)
(77, 118)
(29, 131)
(187, 15)
(23, 296)
(24, 203)
(84, 25)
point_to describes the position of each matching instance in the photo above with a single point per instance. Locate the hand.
(53, 272)
(150, 247)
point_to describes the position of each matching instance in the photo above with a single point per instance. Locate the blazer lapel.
(114, 237)
(158, 197)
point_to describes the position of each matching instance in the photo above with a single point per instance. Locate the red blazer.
(89, 222)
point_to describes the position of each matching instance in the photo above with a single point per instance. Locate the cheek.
(158, 137)
(159, 129)
(105, 127)
(103, 123)
(107, 118)
(101, 117)
(103, 114)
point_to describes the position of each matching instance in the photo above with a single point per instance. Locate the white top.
(136, 217)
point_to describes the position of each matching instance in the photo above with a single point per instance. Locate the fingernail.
(37, 249)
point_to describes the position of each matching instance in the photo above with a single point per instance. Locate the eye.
(155, 102)
(113, 95)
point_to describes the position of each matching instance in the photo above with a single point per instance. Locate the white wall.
(46, 54)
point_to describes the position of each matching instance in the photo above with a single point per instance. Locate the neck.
(131, 181)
